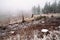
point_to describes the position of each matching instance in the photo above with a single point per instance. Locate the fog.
(14, 7)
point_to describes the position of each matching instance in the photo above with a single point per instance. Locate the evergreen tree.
(58, 7)
(54, 7)
(51, 8)
(34, 10)
(45, 10)
(38, 9)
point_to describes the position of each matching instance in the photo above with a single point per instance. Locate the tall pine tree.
(38, 9)
(58, 7)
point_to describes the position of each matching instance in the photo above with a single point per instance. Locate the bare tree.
(23, 18)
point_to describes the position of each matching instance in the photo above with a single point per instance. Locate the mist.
(15, 7)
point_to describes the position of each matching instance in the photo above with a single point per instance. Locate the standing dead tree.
(32, 15)
(23, 18)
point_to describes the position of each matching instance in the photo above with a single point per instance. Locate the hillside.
(32, 30)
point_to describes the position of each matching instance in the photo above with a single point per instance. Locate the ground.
(32, 30)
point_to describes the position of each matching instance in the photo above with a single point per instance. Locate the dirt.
(32, 30)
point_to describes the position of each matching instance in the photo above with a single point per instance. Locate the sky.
(16, 5)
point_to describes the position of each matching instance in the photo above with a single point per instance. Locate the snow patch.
(12, 32)
(44, 30)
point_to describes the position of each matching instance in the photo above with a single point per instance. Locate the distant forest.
(48, 8)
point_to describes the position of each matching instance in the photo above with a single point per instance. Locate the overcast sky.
(13, 5)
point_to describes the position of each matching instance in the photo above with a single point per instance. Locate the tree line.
(36, 10)
(48, 8)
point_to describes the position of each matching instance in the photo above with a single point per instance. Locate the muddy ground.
(32, 30)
